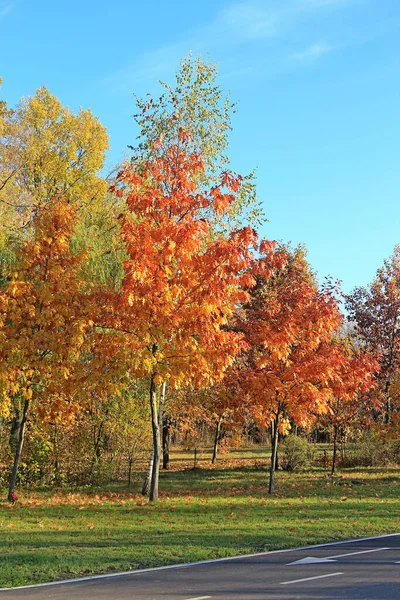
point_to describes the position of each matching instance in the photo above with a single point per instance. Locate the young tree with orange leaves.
(289, 325)
(375, 312)
(349, 403)
(44, 317)
(183, 281)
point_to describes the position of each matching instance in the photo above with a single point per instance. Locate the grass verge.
(202, 514)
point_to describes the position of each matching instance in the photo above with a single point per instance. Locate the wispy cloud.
(252, 20)
(313, 52)
(326, 3)
(272, 27)
(5, 9)
(249, 21)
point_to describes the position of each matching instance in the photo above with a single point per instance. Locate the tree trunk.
(147, 481)
(272, 444)
(334, 455)
(130, 471)
(216, 440)
(14, 431)
(55, 449)
(20, 443)
(274, 454)
(388, 404)
(146, 488)
(166, 440)
(162, 402)
(155, 425)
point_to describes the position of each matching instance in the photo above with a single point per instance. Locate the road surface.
(367, 569)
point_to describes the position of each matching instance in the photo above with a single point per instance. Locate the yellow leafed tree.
(44, 319)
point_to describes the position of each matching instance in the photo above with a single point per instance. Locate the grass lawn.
(203, 513)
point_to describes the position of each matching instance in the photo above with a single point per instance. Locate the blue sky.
(318, 85)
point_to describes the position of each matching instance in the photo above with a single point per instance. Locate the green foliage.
(98, 234)
(371, 451)
(296, 453)
(198, 106)
(195, 104)
(94, 447)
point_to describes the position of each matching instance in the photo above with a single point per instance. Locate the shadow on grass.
(202, 514)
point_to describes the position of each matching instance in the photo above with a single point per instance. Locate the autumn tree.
(44, 317)
(50, 154)
(6, 211)
(221, 409)
(182, 283)
(289, 324)
(375, 312)
(226, 409)
(48, 151)
(349, 405)
(196, 105)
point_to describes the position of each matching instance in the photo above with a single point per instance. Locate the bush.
(371, 451)
(393, 447)
(36, 466)
(296, 453)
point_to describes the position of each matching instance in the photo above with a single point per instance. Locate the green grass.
(204, 513)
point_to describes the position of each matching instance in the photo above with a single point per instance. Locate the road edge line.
(192, 564)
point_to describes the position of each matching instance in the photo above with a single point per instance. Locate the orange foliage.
(44, 315)
(349, 404)
(183, 282)
(289, 324)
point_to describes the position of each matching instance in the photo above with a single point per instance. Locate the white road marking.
(200, 598)
(310, 578)
(195, 564)
(360, 552)
(310, 560)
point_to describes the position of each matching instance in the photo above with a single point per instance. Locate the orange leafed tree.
(289, 325)
(182, 280)
(44, 317)
(349, 404)
(374, 311)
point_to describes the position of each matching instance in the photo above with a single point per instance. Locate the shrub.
(371, 451)
(296, 453)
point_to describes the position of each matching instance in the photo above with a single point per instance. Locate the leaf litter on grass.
(61, 534)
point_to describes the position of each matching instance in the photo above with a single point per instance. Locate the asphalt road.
(367, 569)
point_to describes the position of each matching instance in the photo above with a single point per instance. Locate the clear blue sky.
(318, 83)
